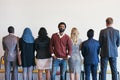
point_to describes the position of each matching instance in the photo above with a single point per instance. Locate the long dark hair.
(42, 34)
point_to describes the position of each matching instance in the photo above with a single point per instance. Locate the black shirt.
(27, 53)
(42, 47)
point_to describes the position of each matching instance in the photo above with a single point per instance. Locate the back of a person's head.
(11, 29)
(90, 33)
(42, 32)
(109, 20)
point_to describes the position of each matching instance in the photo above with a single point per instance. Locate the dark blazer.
(109, 41)
(90, 51)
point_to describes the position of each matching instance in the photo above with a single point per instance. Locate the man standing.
(90, 52)
(109, 41)
(10, 46)
(60, 47)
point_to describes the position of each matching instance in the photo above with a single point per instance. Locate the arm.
(69, 45)
(98, 48)
(118, 40)
(100, 38)
(52, 48)
(17, 46)
(3, 44)
(82, 49)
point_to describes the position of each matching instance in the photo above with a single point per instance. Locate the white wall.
(83, 14)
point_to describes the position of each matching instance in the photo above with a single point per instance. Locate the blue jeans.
(8, 65)
(104, 62)
(27, 73)
(63, 68)
(90, 68)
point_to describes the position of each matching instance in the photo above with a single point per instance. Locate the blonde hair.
(74, 35)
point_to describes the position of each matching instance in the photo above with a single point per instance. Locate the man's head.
(90, 33)
(109, 21)
(11, 29)
(61, 27)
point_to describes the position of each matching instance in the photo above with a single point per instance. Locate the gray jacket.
(10, 44)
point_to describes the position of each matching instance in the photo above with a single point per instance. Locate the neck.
(90, 38)
(109, 25)
(11, 33)
(61, 33)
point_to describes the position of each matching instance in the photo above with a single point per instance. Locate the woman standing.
(26, 43)
(75, 59)
(43, 56)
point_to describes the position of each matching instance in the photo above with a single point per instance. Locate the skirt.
(44, 63)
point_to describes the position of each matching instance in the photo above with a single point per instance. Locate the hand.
(54, 57)
(68, 56)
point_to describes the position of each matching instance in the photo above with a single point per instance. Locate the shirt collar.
(11, 33)
(60, 35)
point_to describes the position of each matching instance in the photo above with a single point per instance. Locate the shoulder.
(54, 34)
(5, 36)
(84, 42)
(80, 39)
(96, 41)
(67, 36)
(102, 30)
(36, 39)
(116, 30)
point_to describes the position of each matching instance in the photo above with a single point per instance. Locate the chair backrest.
(2, 62)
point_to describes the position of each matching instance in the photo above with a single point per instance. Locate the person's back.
(91, 47)
(90, 51)
(109, 42)
(10, 43)
(42, 48)
(10, 47)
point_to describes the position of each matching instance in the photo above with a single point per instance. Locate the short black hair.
(11, 29)
(61, 24)
(90, 33)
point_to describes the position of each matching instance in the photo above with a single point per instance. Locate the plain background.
(83, 14)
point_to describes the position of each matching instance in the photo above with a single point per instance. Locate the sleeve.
(3, 44)
(80, 44)
(98, 47)
(118, 40)
(69, 46)
(51, 45)
(35, 44)
(17, 46)
(20, 44)
(82, 49)
(100, 38)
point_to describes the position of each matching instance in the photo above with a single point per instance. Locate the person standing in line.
(109, 42)
(43, 56)
(90, 52)
(11, 48)
(26, 43)
(75, 60)
(60, 48)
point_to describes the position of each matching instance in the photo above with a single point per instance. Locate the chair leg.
(99, 75)
(66, 75)
(82, 75)
(118, 76)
